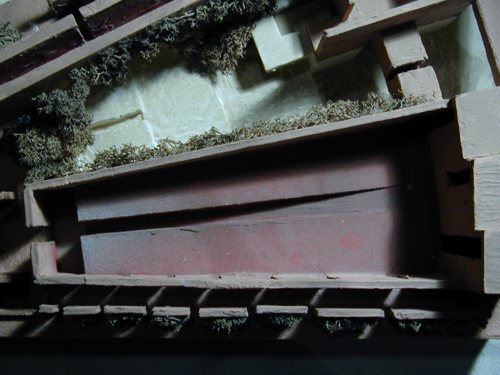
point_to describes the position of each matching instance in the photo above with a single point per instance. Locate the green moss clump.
(170, 322)
(226, 326)
(8, 34)
(339, 326)
(222, 53)
(283, 320)
(410, 325)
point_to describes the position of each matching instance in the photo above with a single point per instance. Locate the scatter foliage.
(332, 111)
(124, 320)
(283, 320)
(170, 322)
(8, 34)
(340, 326)
(226, 326)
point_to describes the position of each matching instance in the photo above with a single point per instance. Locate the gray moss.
(8, 34)
(226, 326)
(124, 320)
(341, 326)
(170, 322)
(283, 320)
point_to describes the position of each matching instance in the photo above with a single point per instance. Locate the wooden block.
(7, 196)
(491, 258)
(223, 312)
(81, 310)
(351, 34)
(422, 314)
(171, 311)
(478, 117)
(487, 12)
(486, 193)
(48, 309)
(400, 49)
(102, 16)
(125, 310)
(419, 82)
(39, 48)
(277, 310)
(44, 259)
(339, 313)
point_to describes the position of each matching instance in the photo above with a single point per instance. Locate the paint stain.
(351, 241)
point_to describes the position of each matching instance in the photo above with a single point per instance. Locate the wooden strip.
(335, 282)
(43, 259)
(492, 262)
(486, 174)
(223, 312)
(487, 12)
(302, 244)
(125, 310)
(335, 175)
(276, 310)
(81, 310)
(326, 312)
(11, 312)
(351, 34)
(39, 48)
(421, 314)
(171, 311)
(48, 309)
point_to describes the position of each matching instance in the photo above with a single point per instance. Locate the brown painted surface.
(363, 234)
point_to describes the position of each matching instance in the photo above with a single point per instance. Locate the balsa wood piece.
(125, 310)
(44, 259)
(48, 309)
(487, 193)
(277, 310)
(318, 178)
(35, 215)
(478, 116)
(7, 196)
(351, 34)
(487, 12)
(223, 312)
(491, 262)
(171, 311)
(81, 310)
(327, 312)
(400, 49)
(421, 314)
(7, 312)
(79, 55)
(420, 82)
(38, 48)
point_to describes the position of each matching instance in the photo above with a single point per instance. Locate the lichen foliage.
(226, 326)
(8, 34)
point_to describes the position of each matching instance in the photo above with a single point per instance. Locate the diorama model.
(250, 169)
